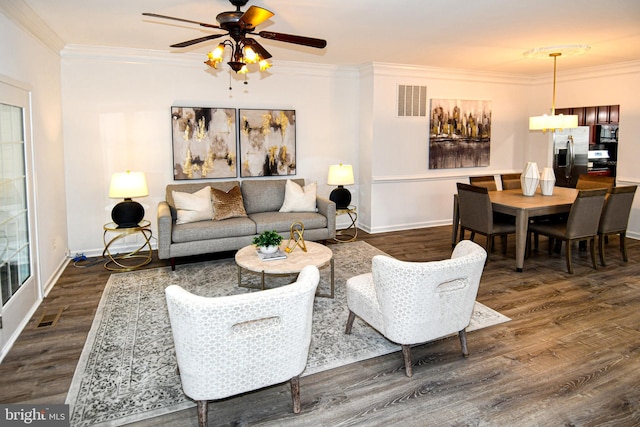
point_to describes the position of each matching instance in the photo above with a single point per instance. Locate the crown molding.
(22, 15)
(192, 60)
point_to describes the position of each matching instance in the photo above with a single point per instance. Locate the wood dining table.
(513, 202)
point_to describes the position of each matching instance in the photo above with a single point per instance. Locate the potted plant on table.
(267, 241)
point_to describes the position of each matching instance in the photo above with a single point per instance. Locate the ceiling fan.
(238, 25)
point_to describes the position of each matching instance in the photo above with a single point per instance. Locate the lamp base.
(341, 197)
(127, 214)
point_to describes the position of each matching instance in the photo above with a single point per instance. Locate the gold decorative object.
(295, 237)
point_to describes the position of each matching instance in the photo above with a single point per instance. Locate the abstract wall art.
(460, 133)
(267, 142)
(204, 143)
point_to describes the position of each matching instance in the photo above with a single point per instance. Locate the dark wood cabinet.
(603, 114)
(614, 114)
(590, 116)
(580, 112)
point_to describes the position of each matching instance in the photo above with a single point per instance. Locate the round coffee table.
(317, 254)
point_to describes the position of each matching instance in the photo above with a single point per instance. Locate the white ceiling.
(487, 35)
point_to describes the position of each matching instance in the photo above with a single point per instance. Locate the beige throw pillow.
(229, 204)
(192, 207)
(299, 199)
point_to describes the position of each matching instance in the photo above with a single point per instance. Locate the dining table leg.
(522, 225)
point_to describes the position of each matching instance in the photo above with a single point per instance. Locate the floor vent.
(412, 101)
(49, 318)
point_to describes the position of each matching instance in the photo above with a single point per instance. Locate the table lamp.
(126, 185)
(340, 175)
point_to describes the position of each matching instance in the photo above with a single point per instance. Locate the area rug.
(127, 370)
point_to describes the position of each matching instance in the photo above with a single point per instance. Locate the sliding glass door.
(18, 287)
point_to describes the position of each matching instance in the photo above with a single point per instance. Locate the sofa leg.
(173, 264)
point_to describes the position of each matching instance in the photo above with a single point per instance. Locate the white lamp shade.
(340, 175)
(553, 122)
(126, 185)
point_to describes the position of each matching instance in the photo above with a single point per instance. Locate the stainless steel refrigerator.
(570, 149)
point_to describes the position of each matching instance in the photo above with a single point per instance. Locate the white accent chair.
(416, 302)
(230, 345)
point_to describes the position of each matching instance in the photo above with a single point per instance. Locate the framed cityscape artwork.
(267, 142)
(204, 142)
(460, 133)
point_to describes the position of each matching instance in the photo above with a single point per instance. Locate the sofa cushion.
(298, 198)
(192, 207)
(264, 195)
(192, 188)
(281, 221)
(206, 230)
(227, 204)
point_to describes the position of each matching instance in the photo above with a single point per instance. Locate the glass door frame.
(16, 312)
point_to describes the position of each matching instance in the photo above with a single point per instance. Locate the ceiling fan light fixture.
(239, 24)
(264, 65)
(250, 56)
(236, 65)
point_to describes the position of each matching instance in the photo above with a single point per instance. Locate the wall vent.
(412, 101)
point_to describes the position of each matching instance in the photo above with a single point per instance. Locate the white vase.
(268, 249)
(547, 181)
(529, 179)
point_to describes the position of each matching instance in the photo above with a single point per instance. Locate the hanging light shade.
(552, 122)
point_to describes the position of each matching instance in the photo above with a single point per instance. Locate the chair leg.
(623, 246)
(352, 317)
(489, 244)
(462, 230)
(601, 249)
(568, 256)
(203, 407)
(463, 342)
(592, 248)
(295, 394)
(406, 354)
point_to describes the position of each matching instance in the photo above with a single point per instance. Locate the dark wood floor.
(570, 356)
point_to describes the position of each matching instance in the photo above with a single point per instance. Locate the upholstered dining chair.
(588, 182)
(488, 181)
(235, 344)
(581, 224)
(476, 215)
(615, 218)
(416, 302)
(511, 181)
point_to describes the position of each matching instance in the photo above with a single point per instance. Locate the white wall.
(30, 62)
(117, 117)
(404, 192)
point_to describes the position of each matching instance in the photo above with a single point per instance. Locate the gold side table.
(350, 233)
(118, 262)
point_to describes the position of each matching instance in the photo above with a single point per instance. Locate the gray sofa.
(262, 200)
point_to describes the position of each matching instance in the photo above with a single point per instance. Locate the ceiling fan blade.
(290, 38)
(254, 16)
(198, 40)
(257, 48)
(203, 24)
